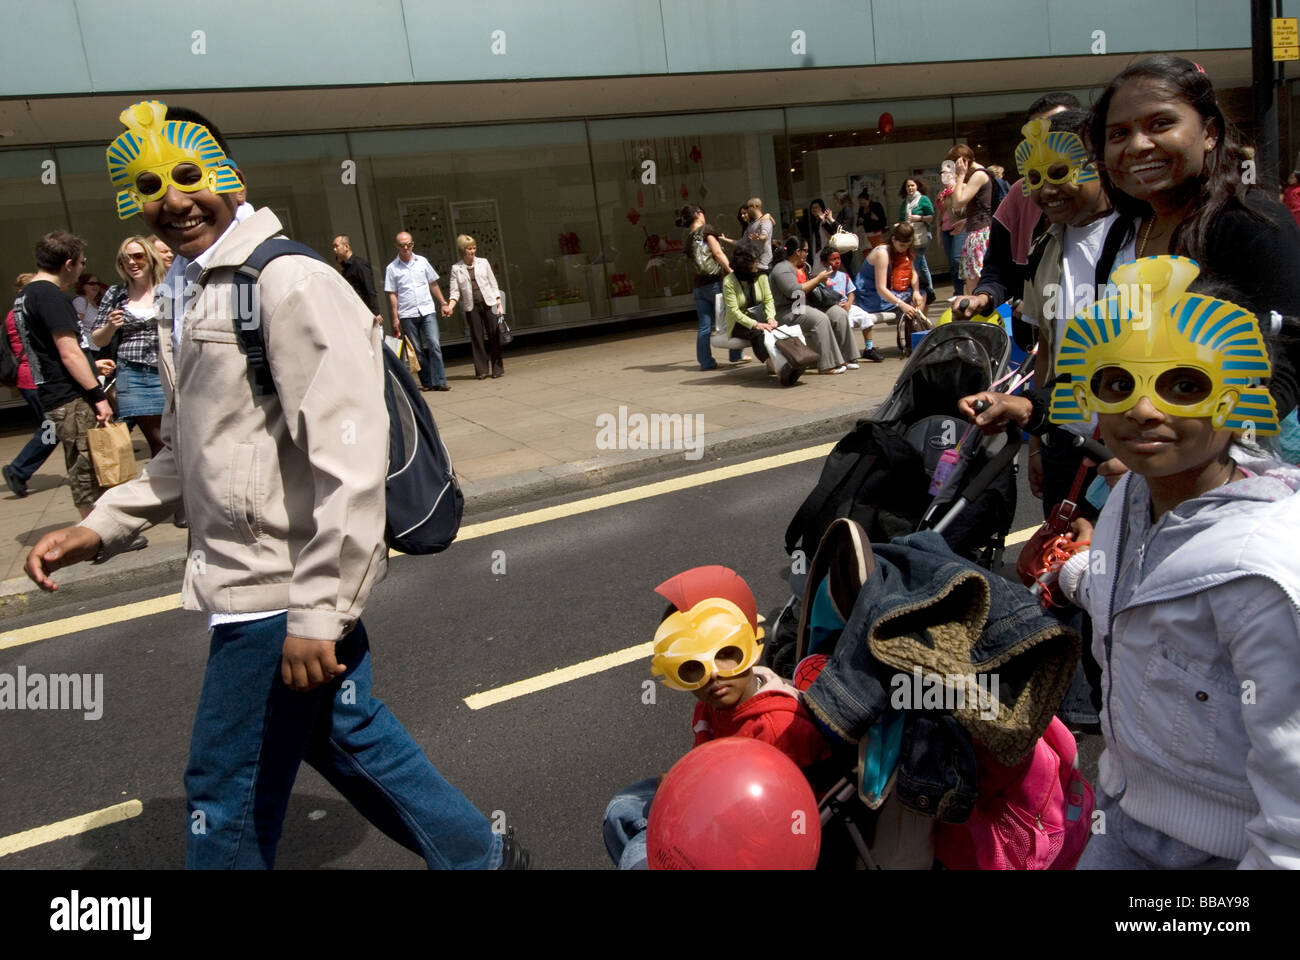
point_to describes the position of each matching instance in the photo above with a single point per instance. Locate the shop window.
(523, 191)
(647, 168)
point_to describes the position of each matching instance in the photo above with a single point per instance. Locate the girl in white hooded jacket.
(1192, 580)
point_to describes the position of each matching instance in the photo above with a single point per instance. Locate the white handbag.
(842, 241)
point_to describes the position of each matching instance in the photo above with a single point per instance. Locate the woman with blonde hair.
(474, 285)
(126, 330)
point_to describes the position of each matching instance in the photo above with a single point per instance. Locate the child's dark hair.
(193, 116)
(1280, 342)
(1071, 121)
(1221, 185)
(1057, 98)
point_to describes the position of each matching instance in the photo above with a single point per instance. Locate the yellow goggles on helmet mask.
(154, 154)
(714, 636)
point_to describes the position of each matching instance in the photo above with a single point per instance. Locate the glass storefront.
(576, 217)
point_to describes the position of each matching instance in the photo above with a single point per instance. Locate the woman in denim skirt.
(126, 330)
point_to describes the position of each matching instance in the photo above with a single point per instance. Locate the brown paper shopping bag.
(110, 451)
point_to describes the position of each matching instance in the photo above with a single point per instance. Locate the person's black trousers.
(485, 340)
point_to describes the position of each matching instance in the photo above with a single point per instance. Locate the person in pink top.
(1291, 195)
(35, 453)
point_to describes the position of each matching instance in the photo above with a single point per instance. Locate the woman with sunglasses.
(127, 317)
(1182, 182)
(827, 331)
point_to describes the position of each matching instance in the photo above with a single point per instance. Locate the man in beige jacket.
(285, 496)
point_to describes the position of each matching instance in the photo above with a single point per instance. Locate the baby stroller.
(880, 473)
(881, 482)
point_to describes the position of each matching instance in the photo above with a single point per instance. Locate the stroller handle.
(997, 463)
(1094, 450)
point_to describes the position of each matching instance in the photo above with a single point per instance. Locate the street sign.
(1286, 38)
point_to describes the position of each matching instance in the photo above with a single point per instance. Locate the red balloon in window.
(886, 123)
(685, 193)
(633, 217)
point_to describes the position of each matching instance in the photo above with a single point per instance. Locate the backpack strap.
(1115, 238)
(248, 329)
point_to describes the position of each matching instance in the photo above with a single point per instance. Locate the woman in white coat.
(474, 285)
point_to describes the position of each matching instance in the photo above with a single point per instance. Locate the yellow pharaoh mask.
(1189, 354)
(688, 642)
(155, 153)
(1043, 149)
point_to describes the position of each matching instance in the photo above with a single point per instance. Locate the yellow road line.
(609, 661)
(87, 621)
(70, 827)
(1020, 536)
(563, 675)
(632, 494)
(146, 608)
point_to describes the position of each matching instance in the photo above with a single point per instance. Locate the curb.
(20, 597)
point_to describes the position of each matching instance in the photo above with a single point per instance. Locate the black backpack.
(423, 499)
(1000, 190)
(873, 476)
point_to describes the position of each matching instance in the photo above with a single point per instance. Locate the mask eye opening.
(691, 671)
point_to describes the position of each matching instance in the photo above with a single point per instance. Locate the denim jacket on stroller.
(923, 608)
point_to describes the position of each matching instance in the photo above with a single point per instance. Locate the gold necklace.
(1146, 234)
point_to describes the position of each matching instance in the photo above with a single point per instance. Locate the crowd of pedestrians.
(1194, 512)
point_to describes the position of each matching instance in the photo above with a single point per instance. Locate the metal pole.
(1263, 74)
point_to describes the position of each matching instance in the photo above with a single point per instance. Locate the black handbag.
(504, 336)
(822, 297)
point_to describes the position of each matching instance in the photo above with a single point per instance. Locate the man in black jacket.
(357, 272)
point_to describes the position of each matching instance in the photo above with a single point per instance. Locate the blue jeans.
(424, 331)
(36, 451)
(705, 301)
(952, 244)
(251, 732)
(922, 268)
(626, 819)
(1129, 845)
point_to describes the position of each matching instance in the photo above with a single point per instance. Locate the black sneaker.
(17, 487)
(873, 355)
(139, 543)
(513, 856)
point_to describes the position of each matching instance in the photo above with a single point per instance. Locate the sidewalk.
(531, 434)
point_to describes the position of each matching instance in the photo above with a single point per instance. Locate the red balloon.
(734, 804)
(886, 123)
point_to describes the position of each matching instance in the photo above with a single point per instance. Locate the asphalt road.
(441, 628)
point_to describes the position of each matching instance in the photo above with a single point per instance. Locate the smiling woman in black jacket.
(1182, 182)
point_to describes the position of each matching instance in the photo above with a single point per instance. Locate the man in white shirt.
(412, 286)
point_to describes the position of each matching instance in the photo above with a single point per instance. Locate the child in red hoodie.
(708, 644)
